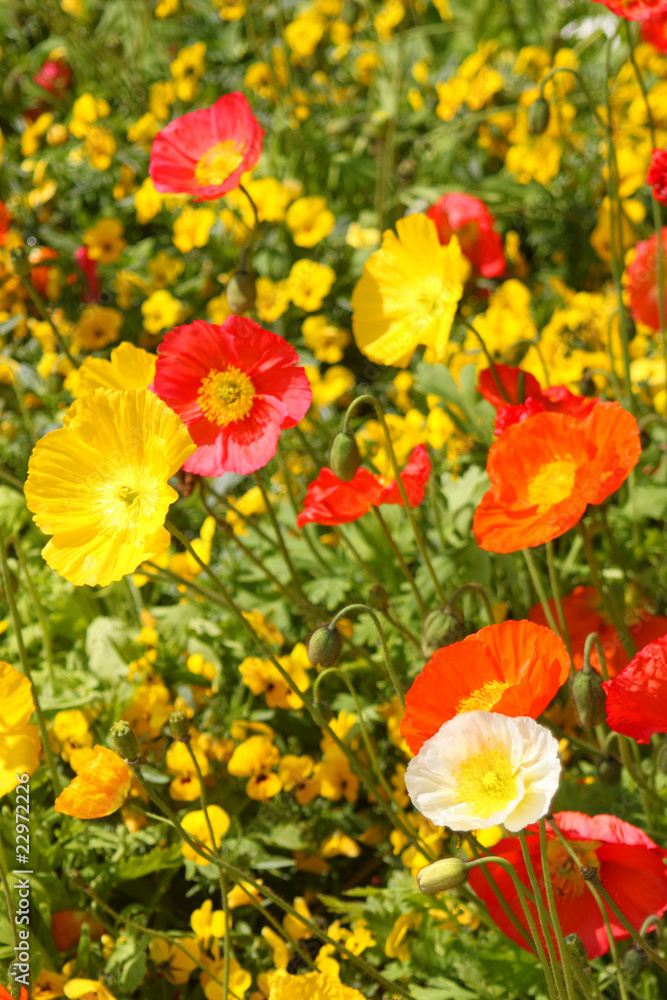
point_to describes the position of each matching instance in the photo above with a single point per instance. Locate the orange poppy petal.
(615, 434)
(514, 668)
(499, 529)
(100, 787)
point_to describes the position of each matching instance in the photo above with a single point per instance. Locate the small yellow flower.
(147, 202)
(337, 844)
(98, 326)
(165, 269)
(327, 342)
(362, 238)
(207, 923)
(99, 146)
(310, 283)
(328, 389)
(33, 132)
(192, 227)
(160, 311)
(186, 69)
(195, 824)
(398, 944)
(230, 10)
(105, 240)
(309, 220)
(161, 96)
(252, 502)
(254, 759)
(175, 964)
(273, 298)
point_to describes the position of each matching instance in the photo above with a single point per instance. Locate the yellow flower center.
(487, 781)
(218, 162)
(484, 698)
(125, 501)
(429, 299)
(226, 396)
(552, 484)
(565, 875)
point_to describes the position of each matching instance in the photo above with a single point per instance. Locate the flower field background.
(333, 487)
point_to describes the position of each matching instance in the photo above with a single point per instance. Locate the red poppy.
(88, 268)
(331, 501)
(656, 176)
(637, 697)
(584, 614)
(546, 470)
(514, 668)
(53, 76)
(235, 387)
(654, 30)
(630, 867)
(5, 221)
(473, 224)
(204, 153)
(6, 995)
(635, 10)
(39, 270)
(642, 281)
(520, 405)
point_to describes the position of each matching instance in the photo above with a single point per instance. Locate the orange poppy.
(514, 668)
(100, 787)
(66, 927)
(547, 469)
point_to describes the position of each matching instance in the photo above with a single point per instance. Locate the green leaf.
(13, 510)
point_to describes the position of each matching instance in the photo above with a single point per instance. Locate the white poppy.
(481, 769)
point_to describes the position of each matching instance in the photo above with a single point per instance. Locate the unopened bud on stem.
(241, 292)
(344, 457)
(539, 114)
(442, 875)
(125, 742)
(440, 628)
(324, 646)
(179, 725)
(588, 697)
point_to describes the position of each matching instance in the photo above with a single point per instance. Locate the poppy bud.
(634, 961)
(344, 457)
(442, 875)
(241, 292)
(538, 116)
(588, 697)
(77, 879)
(14, 970)
(576, 950)
(324, 646)
(440, 628)
(609, 769)
(407, 168)
(20, 261)
(179, 726)
(125, 742)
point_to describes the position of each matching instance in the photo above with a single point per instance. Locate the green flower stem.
(602, 590)
(367, 398)
(553, 912)
(657, 221)
(240, 876)
(584, 87)
(279, 535)
(25, 412)
(393, 676)
(11, 480)
(133, 925)
(312, 709)
(38, 303)
(247, 552)
(545, 923)
(25, 667)
(603, 911)
(477, 588)
(616, 252)
(39, 611)
(541, 593)
(306, 532)
(555, 591)
(8, 899)
(401, 561)
(248, 521)
(487, 354)
(223, 880)
(317, 459)
(523, 896)
(509, 913)
(256, 227)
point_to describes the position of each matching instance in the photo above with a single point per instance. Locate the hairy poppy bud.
(442, 875)
(16, 980)
(634, 961)
(125, 742)
(538, 116)
(440, 628)
(324, 646)
(609, 769)
(241, 292)
(588, 697)
(378, 597)
(179, 726)
(20, 261)
(576, 950)
(344, 457)
(77, 879)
